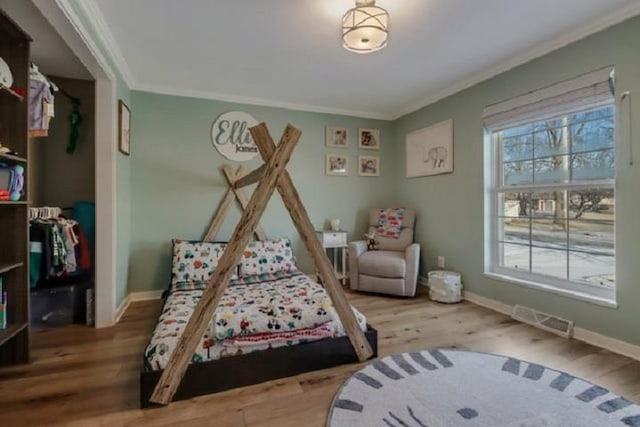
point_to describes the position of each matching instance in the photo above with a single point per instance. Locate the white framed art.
(336, 164)
(368, 166)
(430, 150)
(369, 139)
(124, 128)
(336, 137)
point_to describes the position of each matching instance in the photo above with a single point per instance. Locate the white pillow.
(195, 262)
(269, 256)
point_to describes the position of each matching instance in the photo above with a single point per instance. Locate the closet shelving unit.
(14, 222)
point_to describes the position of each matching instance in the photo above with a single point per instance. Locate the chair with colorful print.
(391, 268)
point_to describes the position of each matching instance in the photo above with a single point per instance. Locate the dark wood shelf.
(11, 331)
(11, 92)
(8, 266)
(14, 224)
(12, 158)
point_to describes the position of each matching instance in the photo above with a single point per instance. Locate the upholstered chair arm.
(355, 249)
(412, 258)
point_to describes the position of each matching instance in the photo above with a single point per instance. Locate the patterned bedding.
(256, 313)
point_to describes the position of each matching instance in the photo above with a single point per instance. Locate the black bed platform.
(237, 371)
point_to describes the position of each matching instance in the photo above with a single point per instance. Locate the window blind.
(586, 91)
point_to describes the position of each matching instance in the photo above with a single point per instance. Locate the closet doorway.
(61, 173)
(62, 176)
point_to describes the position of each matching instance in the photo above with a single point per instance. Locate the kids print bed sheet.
(255, 313)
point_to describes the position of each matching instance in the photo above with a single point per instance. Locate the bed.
(272, 322)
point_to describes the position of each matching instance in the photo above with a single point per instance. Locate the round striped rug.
(437, 388)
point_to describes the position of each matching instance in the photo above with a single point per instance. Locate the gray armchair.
(393, 268)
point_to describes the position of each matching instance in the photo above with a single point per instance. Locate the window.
(551, 168)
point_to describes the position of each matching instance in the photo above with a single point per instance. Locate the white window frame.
(493, 170)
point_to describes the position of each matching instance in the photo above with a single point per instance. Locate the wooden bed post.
(232, 192)
(203, 313)
(303, 224)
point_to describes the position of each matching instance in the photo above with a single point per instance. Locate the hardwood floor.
(88, 377)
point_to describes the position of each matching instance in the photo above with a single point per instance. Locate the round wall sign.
(231, 137)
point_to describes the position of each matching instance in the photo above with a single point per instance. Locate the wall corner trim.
(122, 308)
(612, 344)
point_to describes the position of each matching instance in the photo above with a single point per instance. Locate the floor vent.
(550, 323)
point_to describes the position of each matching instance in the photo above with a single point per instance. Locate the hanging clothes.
(58, 249)
(41, 103)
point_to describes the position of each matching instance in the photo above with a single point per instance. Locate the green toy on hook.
(75, 119)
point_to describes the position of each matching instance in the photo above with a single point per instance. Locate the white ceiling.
(288, 52)
(48, 49)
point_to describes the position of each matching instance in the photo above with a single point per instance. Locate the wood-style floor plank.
(87, 377)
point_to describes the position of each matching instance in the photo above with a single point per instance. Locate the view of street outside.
(574, 249)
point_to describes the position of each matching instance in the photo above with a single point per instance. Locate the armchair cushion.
(382, 264)
(406, 232)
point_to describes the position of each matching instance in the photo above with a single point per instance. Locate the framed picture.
(368, 166)
(124, 128)
(369, 139)
(336, 164)
(336, 137)
(430, 150)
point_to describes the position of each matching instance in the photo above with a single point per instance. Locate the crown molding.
(91, 10)
(85, 35)
(201, 94)
(599, 24)
(96, 19)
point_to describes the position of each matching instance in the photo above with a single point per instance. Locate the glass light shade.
(365, 29)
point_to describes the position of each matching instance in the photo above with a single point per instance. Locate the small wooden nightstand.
(337, 242)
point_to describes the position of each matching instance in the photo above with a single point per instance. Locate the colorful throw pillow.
(195, 262)
(269, 256)
(390, 222)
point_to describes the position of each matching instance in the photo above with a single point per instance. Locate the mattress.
(255, 313)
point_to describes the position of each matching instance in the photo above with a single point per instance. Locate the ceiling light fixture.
(365, 28)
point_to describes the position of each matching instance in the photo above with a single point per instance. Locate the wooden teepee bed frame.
(180, 379)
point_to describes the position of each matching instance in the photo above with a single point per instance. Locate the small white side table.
(337, 241)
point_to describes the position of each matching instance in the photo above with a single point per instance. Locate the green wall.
(177, 182)
(450, 207)
(172, 183)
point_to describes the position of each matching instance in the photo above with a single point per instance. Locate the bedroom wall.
(450, 207)
(177, 182)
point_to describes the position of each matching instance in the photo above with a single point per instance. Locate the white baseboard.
(581, 334)
(146, 295)
(494, 305)
(611, 344)
(135, 297)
